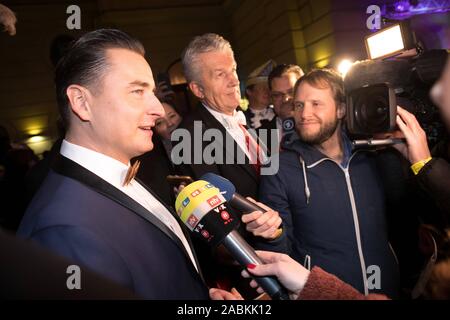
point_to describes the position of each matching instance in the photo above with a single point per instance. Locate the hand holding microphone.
(292, 275)
(260, 220)
(205, 211)
(265, 224)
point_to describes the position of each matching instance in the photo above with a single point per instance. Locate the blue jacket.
(81, 217)
(334, 215)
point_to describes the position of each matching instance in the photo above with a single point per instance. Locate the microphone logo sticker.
(195, 193)
(205, 234)
(225, 215)
(214, 201)
(185, 202)
(199, 227)
(192, 221)
(288, 124)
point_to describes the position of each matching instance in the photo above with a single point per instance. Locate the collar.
(263, 114)
(107, 168)
(310, 154)
(260, 111)
(347, 150)
(229, 122)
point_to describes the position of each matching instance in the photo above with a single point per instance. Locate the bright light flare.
(344, 66)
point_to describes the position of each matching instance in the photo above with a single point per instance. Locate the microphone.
(228, 190)
(205, 211)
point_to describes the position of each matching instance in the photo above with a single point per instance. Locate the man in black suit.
(231, 152)
(89, 209)
(210, 69)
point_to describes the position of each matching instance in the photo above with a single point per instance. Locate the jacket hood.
(310, 154)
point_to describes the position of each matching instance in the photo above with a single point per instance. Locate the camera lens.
(372, 109)
(375, 112)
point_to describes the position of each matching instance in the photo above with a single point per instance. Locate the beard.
(325, 132)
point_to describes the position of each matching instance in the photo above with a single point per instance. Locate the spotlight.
(389, 42)
(36, 139)
(344, 66)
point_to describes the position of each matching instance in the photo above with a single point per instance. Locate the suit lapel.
(183, 227)
(210, 122)
(71, 169)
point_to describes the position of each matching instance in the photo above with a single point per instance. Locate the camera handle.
(377, 142)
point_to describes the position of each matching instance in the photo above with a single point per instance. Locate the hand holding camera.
(416, 147)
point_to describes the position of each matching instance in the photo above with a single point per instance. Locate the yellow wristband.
(416, 167)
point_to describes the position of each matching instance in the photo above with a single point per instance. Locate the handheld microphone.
(228, 190)
(204, 210)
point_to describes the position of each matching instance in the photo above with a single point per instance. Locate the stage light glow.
(385, 42)
(36, 139)
(344, 66)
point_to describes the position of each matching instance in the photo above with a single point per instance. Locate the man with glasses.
(281, 85)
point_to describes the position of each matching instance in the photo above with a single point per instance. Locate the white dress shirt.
(114, 172)
(231, 124)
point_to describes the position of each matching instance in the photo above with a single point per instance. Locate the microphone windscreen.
(196, 200)
(204, 211)
(227, 189)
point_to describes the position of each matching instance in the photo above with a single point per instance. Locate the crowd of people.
(324, 232)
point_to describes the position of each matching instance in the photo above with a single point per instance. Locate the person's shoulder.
(60, 188)
(364, 156)
(63, 200)
(289, 158)
(287, 161)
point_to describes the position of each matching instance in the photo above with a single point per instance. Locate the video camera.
(399, 72)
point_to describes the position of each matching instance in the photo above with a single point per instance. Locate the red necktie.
(253, 149)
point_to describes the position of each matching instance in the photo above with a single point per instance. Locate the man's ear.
(79, 101)
(196, 89)
(341, 111)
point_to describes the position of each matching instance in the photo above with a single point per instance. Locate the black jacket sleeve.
(434, 179)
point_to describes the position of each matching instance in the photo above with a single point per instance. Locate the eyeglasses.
(282, 95)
